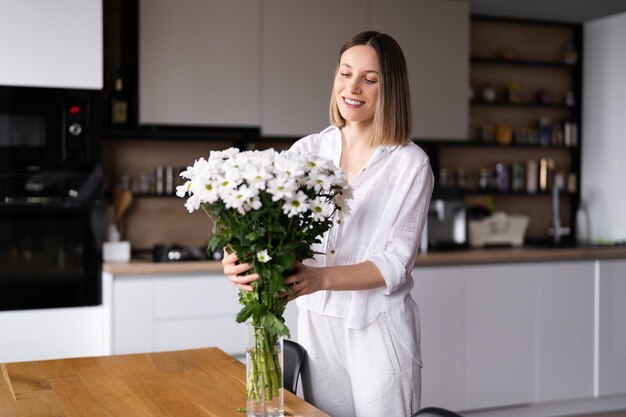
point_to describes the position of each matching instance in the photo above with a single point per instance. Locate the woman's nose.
(355, 86)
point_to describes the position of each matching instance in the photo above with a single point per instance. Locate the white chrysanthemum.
(256, 176)
(181, 190)
(243, 199)
(281, 188)
(341, 203)
(206, 191)
(320, 210)
(296, 205)
(319, 181)
(263, 256)
(225, 154)
(192, 204)
(290, 165)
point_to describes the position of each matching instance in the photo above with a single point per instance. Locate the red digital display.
(74, 109)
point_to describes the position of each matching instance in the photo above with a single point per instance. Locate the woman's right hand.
(234, 271)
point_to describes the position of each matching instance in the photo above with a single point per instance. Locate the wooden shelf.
(521, 105)
(522, 62)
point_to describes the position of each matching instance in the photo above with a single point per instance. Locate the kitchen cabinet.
(301, 42)
(271, 64)
(200, 62)
(51, 44)
(433, 35)
(500, 335)
(29, 335)
(612, 331)
(152, 313)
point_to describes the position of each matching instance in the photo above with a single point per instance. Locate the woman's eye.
(367, 80)
(345, 74)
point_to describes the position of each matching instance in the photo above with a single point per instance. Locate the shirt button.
(338, 221)
(332, 252)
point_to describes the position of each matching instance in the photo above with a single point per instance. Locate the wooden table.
(201, 382)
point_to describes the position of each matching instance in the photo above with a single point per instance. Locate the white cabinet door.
(301, 42)
(434, 35)
(133, 315)
(200, 62)
(183, 311)
(51, 43)
(500, 301)
(440, 296)
(499, 335)
(564, 328)
(612, 354)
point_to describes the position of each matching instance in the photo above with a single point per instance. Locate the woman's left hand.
(306, 280)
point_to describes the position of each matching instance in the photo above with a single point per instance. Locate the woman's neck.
(357, 135)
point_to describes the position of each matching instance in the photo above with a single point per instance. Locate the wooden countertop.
(433, 258)
(517, 255)
(202, 382)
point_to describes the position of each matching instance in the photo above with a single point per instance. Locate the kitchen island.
(202, 382)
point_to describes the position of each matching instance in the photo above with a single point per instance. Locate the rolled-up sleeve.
(396, 260)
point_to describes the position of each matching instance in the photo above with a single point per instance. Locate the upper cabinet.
(434, 35)
(271, 64)
(301, 42)
(200, 62)
(51, 44)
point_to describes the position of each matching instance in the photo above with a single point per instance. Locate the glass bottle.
(583, 224)
(119, 104)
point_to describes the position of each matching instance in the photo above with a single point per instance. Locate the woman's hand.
(306, 280)
(234, 272)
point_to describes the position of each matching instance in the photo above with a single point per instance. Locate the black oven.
(50, 197)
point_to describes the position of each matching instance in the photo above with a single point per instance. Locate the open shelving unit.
(543, 60)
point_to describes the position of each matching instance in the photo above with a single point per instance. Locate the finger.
(229, 259)
(236, 269)
(292, 279)
(246, 279)
(244, 287)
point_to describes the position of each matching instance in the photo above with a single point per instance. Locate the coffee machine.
(446, 226)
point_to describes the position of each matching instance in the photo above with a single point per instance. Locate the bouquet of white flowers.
(269, 208)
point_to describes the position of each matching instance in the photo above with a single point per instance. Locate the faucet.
(556, 230)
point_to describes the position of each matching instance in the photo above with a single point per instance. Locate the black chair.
(293, 359)
(435, 412)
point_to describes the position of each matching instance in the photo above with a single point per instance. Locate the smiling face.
(356, 84)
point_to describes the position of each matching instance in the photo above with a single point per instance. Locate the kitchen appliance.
(499, 229)
(446, 218)
(50, 189)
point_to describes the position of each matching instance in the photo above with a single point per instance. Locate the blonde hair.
(392, 119)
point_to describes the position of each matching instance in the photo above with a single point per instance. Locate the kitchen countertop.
(433, 258)
(200, 382)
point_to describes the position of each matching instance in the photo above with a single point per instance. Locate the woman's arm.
(309, 279)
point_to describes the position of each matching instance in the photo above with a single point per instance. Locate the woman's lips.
(352, 103)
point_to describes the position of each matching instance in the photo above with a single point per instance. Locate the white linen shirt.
(391, 195)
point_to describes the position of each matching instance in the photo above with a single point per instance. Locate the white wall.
(604, 125)
(47, 43)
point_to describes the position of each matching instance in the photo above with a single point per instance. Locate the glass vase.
(264, 373)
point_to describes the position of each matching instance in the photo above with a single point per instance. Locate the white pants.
(357, 372)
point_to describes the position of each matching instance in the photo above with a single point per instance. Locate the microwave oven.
(49, 129)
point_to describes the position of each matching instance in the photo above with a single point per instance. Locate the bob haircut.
(392, 118)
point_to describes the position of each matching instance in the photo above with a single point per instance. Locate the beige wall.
(151, 219)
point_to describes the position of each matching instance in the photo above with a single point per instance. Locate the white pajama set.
(363, 347)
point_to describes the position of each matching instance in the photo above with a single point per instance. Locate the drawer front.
(205, 295)
(222, 332)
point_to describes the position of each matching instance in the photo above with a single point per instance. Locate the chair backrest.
(293, 358)
(435, 412)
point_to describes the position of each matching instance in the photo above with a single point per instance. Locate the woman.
(356, 318)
